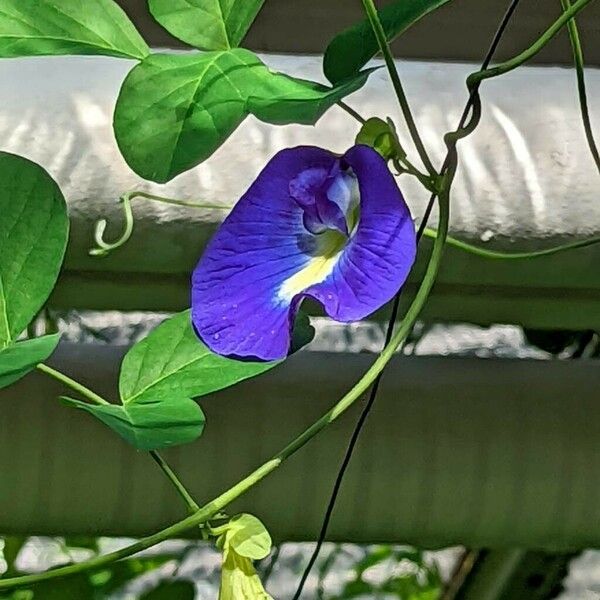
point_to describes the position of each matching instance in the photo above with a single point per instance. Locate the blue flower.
(313, 224)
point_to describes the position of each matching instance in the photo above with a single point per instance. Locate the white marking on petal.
(329, 248)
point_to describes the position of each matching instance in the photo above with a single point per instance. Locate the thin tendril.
(352, 112)
(499, 255)
(531, 51)
(581, 87)
(103, 247)
(379, 32)
(193, 507)
(97, 399)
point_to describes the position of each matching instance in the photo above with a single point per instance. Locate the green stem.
(498, 255)
(373, 17)
(352, 112)
(96, 399)
(581, 88)
(530, 52)
(174, 201)
(74, 385)
(104, 247)
(403, 165)
(166, 469)
(209, 510)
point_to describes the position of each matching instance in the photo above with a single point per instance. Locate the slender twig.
(499, 255)
(96, 399)
(379, 32)
(531, 51)
(166, 469)
(581, 87)
(352, 112)
(74, 385)
(448, 170)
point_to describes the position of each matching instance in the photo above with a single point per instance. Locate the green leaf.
(207, 24)
(247, 536)
(381, 136)
(171, 590)
(281, 99)
(175, 110)
(150, 424)
(18, 359)
(353, 48)
(159, 377)
(172, 361)
(43, 27)
(34, 229)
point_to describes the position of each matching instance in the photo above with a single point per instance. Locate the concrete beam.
(492, 453)
(526, 180)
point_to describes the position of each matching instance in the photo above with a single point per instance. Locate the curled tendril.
(104, 247)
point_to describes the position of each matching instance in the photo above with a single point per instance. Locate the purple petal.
(261, 244)
(263, 261)
(320, 212)
(379, 256)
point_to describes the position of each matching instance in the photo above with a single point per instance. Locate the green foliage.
(162, 374)
(33, 236)
(18, 359)
(149, 424)
(175, 110)
(419, 581)
(173, 362)
(41, 27)
(98, 585)
(351, 50)
(207, 24)
(248, 537)
(381, 136)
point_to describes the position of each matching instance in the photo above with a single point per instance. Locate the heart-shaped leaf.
(150, 424)
(162, 373)
(42, 27)
(175, 110)
(172, 361)
(353, 48)
(34, 228)
(19, 359)
(207, 24)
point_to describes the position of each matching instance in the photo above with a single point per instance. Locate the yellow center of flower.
(327, 253)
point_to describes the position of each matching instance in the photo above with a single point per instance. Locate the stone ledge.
(526, 180)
